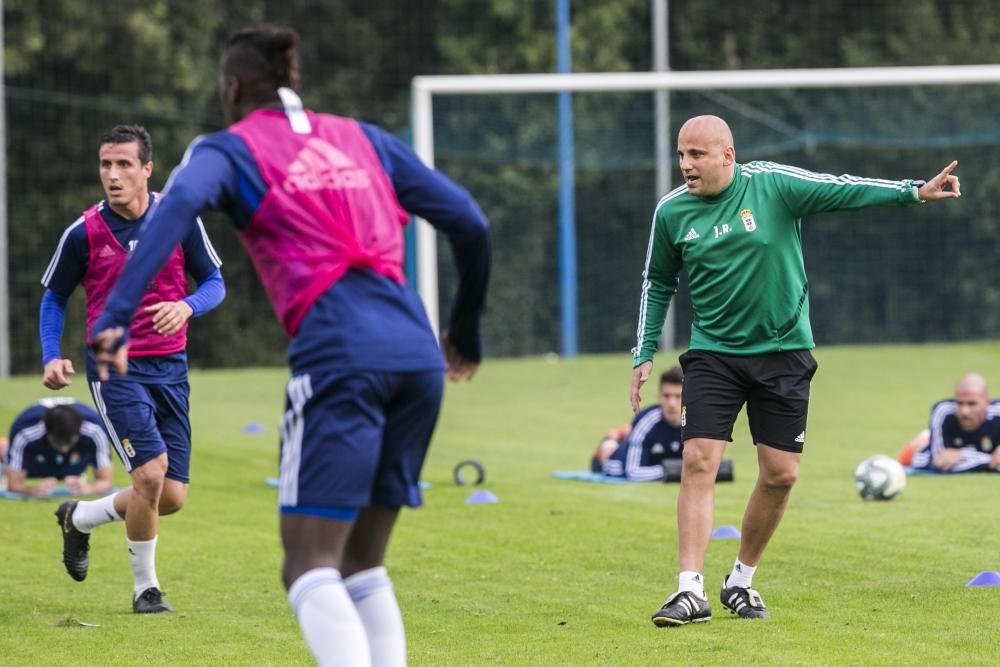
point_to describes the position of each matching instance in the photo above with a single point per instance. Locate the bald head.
(710, 130)
(974, 383)
(972, 400)
(707, 156)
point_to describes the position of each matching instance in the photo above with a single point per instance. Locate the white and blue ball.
(879, 477)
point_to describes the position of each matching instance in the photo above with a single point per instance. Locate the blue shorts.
(146, 420)
(356, 438)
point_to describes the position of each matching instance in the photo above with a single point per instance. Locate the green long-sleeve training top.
(742, 249)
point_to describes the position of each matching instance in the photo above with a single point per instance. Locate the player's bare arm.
(947, 458)
(17, 482)
(76, 484)
(79, 486)
(103, 481)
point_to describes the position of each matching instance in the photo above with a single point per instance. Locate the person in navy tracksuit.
(56, 440)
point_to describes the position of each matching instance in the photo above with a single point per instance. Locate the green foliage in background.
(72, 70)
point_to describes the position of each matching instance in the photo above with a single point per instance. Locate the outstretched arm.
(805, 192)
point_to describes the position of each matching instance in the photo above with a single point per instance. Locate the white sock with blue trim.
(373, 596)
(331, 625)
(89, 514)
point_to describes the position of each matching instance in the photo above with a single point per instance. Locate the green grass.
(558, 573)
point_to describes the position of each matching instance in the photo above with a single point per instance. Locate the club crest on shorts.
(748, 222)
(127, 446)
(684, 415)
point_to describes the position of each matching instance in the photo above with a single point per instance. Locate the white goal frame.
(424, 89)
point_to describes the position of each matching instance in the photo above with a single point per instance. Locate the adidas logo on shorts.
(801, 437)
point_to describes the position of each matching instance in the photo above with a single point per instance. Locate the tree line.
(73, 70)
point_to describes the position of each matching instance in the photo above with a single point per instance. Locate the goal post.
(426, 88)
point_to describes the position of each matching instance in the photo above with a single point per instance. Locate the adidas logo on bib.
(320, 166)
(691, 235)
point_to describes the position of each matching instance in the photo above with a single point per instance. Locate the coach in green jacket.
(736, 229)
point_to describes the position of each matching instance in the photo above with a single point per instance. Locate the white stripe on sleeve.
(24, 437)
(100, 438)
(47, 276)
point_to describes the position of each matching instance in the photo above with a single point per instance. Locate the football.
(879, 477)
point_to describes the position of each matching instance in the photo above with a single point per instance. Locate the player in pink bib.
(145, 412)
(320, 202)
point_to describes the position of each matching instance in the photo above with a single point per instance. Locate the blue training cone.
(480, 497)
(725, 533)
(987, 578)
(253, 428)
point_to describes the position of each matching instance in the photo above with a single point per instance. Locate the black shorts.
(775, 388)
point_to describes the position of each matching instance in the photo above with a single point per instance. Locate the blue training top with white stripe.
(640, 455)
(31, 451)
(946, 432)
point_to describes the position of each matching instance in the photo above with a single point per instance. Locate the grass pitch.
(557, 573)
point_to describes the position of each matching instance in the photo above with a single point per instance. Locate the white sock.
(742, 575)
(330, 623)
(89, 514)
(373, 596)
(143, 558)
(693, 582)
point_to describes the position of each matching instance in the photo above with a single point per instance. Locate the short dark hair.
(673, 375)
(126, 134)
(263, 58)
(62, 423)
